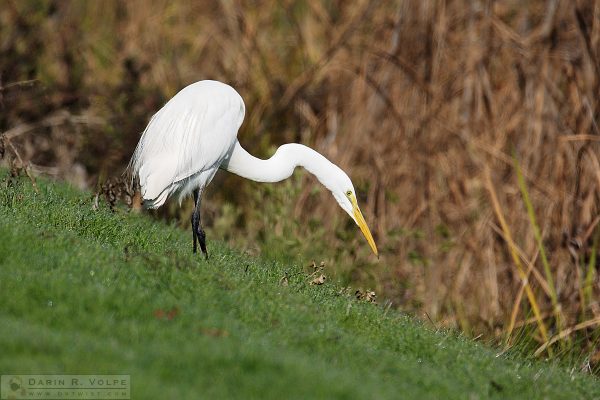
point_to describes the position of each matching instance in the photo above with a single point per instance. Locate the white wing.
(191, 134)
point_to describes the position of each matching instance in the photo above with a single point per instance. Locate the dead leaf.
(284, 281)
(368, 296)
(159, 313)
(172, 313)
(214, 332)
(117, 189)
(319, 280)
(315, 267)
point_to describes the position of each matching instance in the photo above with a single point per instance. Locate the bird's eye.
(349, 193)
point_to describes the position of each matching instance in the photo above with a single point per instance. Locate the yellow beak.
(362, 224)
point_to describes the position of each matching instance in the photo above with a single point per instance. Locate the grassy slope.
(79, 290)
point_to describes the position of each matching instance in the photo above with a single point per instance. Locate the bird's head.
(343, 191)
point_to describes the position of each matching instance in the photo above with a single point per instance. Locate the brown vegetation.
(432, 106)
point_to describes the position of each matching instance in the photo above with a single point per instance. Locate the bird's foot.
(197, 231)
(202, 240)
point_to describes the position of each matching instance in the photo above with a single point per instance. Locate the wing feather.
(192, 133)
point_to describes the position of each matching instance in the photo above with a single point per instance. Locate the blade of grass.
(566, 332)
(589, 277)
(515, 309)
(516, 260)
(514, 313)
(530, 320)
(529, 263)
(538, 238)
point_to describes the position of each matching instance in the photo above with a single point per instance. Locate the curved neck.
(281, 165)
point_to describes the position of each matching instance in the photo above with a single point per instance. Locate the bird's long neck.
(281, 165)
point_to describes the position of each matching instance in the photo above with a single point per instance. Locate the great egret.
(195, 134)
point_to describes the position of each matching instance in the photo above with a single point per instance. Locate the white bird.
(195, 134)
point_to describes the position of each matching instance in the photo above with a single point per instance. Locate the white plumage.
(187, 140)
(195, 134)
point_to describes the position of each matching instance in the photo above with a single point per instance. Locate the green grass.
(80, 292)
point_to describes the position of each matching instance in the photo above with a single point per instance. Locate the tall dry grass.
(432, 106)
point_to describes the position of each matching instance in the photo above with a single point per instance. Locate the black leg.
(202, 241)
(195, 221)
(197, 231)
